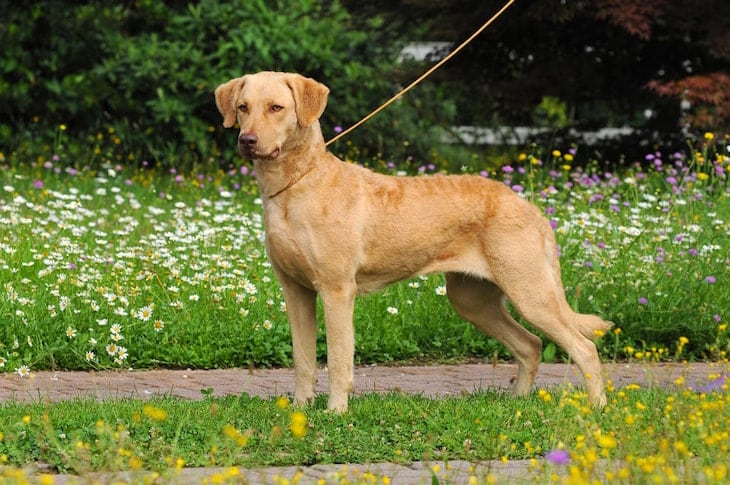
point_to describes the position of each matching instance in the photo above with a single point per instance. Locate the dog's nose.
(248, 139)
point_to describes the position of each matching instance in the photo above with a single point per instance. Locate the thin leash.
(423, 76)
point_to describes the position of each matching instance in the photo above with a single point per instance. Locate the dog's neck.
(295, 162)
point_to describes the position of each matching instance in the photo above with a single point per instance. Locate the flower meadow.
(104, 266)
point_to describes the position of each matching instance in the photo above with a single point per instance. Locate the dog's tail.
(591, 326)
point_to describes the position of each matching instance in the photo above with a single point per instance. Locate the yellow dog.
(337, 229)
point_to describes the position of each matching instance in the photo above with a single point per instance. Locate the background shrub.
(145, 71)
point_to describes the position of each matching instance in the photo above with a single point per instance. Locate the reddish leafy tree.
(704, 22)
(634, 16)
(708, 95)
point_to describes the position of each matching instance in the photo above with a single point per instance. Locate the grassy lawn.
(106, 267)
(647, 434)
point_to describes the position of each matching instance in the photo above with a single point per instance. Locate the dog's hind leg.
(539, 297)
(481, 302)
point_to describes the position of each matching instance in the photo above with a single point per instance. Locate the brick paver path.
(434, 381)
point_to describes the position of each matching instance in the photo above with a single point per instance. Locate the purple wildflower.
(338, 129)
(595, 198)
(508, 169)
(38, 184)
(710, 279)
(643, 301)
(714, 385)
(558, 457)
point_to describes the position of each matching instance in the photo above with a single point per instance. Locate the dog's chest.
(289, 242)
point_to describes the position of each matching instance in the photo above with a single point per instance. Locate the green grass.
(647, 433)
(112, 267)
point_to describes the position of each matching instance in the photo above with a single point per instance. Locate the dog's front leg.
(302, 312)
(338, 311)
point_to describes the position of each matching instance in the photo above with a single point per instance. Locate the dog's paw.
(338, 406)
(303, 401)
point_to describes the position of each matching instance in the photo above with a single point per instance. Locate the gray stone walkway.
(434, 381)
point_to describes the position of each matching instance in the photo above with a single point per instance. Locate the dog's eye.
(243, 108)
(275, 108)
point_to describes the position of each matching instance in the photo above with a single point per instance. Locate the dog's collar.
(290, 184)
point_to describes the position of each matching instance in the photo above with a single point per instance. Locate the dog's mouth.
(255, 154)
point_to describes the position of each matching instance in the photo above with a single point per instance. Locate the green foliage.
(148, 70)
(551, 112)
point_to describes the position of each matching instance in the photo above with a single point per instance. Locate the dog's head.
(270, 108)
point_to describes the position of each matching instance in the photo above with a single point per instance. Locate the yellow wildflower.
(298, 424)
(282, 402)
(154, 413)
(46, 479)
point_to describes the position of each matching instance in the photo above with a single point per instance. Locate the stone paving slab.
(432, 381)
(419, 473)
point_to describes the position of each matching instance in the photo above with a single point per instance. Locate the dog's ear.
(310, 98)
(225, 98)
